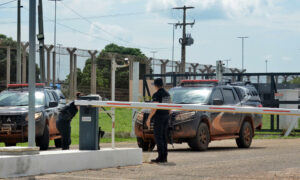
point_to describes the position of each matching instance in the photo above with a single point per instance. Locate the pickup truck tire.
(201, 140)
(146, 146)
(10, 144)
(43, 141)
(245, 136)
(57, 143)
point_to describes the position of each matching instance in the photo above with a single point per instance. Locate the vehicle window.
(51, 97)
(217, 95)
(55, 96)
(60, 94)
(190, 95)
(15, 98)
(228, 96)
(47, 98)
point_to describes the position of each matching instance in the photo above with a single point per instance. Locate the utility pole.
(243, 37)
(31, 73)
(173, 24)
(19, 65)
(41, 38)
(183, 40)
(153, 60)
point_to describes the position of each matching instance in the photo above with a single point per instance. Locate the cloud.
(286, 58)
(219, 9)
(110, 32)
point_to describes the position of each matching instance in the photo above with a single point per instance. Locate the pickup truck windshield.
(15, 98)
(190, 95)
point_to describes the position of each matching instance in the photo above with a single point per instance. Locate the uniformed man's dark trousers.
(160, 134)
(64, 127)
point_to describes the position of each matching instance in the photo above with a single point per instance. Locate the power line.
(73, 29)
(6, 7)
(7, 2)
(109, 15)
(81, 32)
(103, 30)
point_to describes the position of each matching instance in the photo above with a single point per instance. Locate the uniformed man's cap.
(158, 82)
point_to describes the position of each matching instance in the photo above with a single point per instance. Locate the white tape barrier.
(189, 107)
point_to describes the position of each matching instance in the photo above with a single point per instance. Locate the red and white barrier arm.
(189, 107)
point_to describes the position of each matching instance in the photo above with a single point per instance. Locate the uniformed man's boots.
(165, 157)
(159, 159)
(162, 158)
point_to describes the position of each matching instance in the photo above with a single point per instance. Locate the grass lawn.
(122, 124)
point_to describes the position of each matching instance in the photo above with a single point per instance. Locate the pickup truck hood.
(14, 110)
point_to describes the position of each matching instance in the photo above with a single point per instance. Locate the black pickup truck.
(199, 128)
(14, 115)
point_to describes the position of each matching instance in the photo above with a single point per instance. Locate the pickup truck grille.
(8, 119)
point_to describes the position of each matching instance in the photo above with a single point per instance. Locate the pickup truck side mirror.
(53, 104)
(218, 102)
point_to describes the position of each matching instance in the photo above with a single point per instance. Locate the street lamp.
(59, 50)
(266, 65)
(243, 37)
(227, 60)
(174, 25)
(54, 54)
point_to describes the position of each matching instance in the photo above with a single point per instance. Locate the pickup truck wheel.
(57, 143)
(245, 136)
(146, 146)
(10, 144)
(43, 141)
(202, 139)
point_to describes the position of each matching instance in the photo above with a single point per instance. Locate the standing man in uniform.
(63, 123)
(161, 119)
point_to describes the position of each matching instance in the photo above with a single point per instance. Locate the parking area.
(266, 159)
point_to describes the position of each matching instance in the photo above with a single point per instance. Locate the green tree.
(294, 81)
(4, 42)
(104, 68)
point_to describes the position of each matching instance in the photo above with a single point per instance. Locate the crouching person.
(63, 124)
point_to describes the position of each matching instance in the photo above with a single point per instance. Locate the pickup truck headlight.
(36, 116)
(184, 116)
(140, 117)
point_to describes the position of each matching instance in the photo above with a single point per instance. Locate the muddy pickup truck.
(198, 129)
(14, 115)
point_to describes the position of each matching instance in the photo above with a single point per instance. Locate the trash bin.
(88, 125)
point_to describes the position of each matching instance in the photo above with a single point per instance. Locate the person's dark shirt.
(68, 112)
(161, 96)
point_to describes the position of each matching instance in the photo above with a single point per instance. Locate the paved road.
(266, 159)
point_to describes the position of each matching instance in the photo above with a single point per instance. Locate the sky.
(273, 28)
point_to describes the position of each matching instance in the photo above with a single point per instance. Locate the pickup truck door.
(217, 127)
(224, 123)
(231, 121)
(52, 114)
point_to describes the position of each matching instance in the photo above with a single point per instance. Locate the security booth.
(88, 125)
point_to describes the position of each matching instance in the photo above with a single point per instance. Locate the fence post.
(163, 68)
(53, 68)
(93, 71)
(75, 75)
(194, 66)
(8, 66)
(24, 62)
(48, 49)
(71, 75)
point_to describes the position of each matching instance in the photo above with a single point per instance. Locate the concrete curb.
(66, 161)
